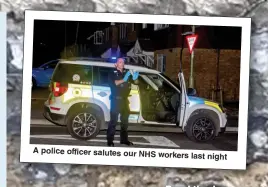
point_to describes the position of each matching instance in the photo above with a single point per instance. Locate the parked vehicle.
(41, 76)
(79, 99)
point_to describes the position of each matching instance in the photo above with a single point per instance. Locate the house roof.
(124, 48)
(101, 49)
(146, 44)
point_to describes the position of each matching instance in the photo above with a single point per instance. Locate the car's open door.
(134, 104)
(183, 100)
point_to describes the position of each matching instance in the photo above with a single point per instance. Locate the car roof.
(49, 62)
(111, 65)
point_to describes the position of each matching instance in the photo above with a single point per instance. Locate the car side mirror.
(191, 91)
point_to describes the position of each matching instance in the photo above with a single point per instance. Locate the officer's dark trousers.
(118, 106)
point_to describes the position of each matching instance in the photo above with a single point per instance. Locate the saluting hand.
(135, 75)
(126, 76)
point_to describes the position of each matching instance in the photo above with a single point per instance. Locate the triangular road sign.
(191, 41)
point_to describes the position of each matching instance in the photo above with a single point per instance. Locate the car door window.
(166, 92)
(161, 83)
(73, 73)
(175, 84)
(149, 83)
(101, 75)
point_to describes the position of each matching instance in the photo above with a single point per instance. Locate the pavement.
(44, 132)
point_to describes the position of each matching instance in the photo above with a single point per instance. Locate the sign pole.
(191, 78)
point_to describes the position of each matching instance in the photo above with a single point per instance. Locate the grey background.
(3, 94)
(21, 174)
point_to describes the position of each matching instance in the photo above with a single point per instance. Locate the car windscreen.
(72, 73)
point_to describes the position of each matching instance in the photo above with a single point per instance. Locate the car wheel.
(201, 128)
(84, 124)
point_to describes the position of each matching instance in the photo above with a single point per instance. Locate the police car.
(80, 99)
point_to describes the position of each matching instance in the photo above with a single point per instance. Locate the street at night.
(53, 135)
(44, 132)
(154, 102)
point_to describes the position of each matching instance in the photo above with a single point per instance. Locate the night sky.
(49, 37)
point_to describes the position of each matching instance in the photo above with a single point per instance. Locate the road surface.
(55, 135)
(43, 132)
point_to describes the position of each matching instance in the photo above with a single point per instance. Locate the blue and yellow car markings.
(214, 105)
(198, 100)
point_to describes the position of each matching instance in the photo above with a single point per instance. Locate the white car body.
(57, 109)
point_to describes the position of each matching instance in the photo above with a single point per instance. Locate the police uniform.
(119, 105)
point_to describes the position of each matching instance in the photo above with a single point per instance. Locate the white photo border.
(236, 159)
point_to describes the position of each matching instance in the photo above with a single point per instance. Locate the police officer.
(120, 89)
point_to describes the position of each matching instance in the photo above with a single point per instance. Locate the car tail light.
(58, 89)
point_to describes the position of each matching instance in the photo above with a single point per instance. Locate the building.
(216, 58)
(116, 40)
(216, 53)
(128, 40)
